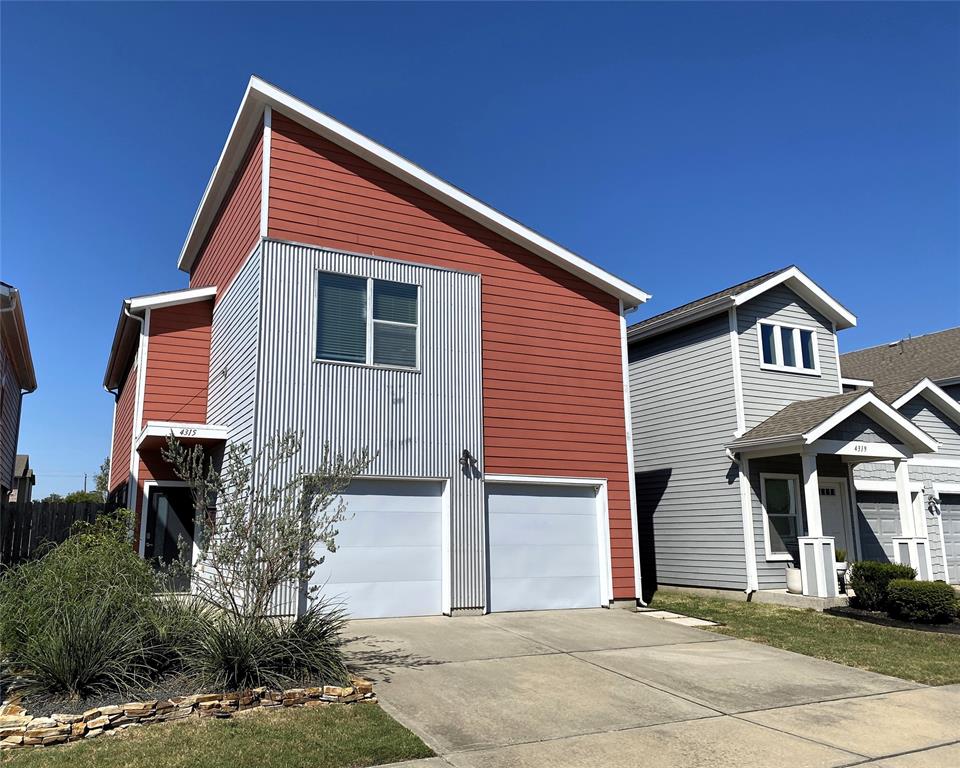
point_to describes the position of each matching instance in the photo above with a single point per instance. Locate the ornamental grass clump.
(81, 619)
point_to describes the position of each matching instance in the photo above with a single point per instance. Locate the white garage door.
(543, 547)
(388, 560)
(950, 518)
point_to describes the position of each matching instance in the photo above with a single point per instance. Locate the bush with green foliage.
(82, 618)
(926, 602)
(869, 580)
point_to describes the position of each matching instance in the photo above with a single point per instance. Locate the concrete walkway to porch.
(613, 688)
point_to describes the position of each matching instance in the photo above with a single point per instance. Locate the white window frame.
(370, 321)
(778, 348)
(793, 489)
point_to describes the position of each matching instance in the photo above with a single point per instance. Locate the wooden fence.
(26, 528)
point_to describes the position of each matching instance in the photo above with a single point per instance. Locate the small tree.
(88, 497)
(102, 479)
(261, 521)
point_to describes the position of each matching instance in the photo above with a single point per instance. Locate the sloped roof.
(13, 333)
(805, 421)
(935, 356)
(740, 293)
(261, 94)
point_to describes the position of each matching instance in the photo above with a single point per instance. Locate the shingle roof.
(935, 356)
(730, 293)
(799, 417)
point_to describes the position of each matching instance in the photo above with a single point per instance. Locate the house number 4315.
(187, 432)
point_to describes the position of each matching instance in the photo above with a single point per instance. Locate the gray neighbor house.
(754, 453)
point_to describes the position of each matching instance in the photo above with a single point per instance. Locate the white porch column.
(817, 558)
(811, 495)
(912, 546)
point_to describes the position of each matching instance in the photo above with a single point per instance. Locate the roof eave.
(684, 318)
(803, 286)
(23, 360)
(260, 94)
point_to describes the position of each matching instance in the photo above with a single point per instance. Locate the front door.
(169, 526)
(834, 515)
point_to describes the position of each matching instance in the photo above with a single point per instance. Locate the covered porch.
(797, 491)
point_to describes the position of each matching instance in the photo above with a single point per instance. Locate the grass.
(924, 657)
(322, 737)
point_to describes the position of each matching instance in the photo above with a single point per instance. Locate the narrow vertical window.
(806, 350)
(342, 318)
(786, 343)
(395, 324)
(766, 338)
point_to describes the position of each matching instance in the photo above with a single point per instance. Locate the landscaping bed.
(318, 737)
(882, 619)
(932, 658)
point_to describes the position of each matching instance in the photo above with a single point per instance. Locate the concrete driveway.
(613, 688)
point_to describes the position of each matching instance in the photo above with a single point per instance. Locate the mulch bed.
(877, 617)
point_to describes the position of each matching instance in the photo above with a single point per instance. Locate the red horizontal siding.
(178, 363)
(123, 431)
(236, 228)
(552, 386)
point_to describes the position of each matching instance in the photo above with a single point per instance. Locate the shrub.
(80, 619)
(926, 602)
(229, 652)
(869, 580)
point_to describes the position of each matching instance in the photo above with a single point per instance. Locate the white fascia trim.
(881, 412)
(260, 93)
(933, 394)
(737, 374)
(265, 172)
(845, 382)
(680, 319)
(809, 290)
(171, 298)
(181, 429)
(885, 486)
(631, 470)
(934, 461)
(746, 515)
(545, 480)
(950, 488)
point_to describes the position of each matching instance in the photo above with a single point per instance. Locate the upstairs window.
(788, 348)
(366, 321)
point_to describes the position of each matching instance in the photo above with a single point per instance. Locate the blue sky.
(684, 147)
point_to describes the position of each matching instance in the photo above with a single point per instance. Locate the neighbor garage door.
(543, 547)
(950, 517)
(878, 518)
(388, 560)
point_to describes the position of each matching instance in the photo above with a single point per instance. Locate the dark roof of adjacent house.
(692, 306)
(935, 356)
(799, 417)
(21, 464)
(791, 277)
(13, 334)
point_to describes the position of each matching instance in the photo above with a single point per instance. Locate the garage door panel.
(950, 518)
(389, 556)
(544, 561)
(543, 547)
(533, 527)
(552, 593)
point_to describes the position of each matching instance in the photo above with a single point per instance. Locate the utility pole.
(84, 482)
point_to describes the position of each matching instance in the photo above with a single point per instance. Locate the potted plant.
(794, 580)
(842, 567)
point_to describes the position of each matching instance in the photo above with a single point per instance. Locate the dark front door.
(170, 518)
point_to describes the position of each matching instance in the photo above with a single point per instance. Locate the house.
(17, 378)
(921, 378)
(745, 442)
(339, 289)
(23, 480)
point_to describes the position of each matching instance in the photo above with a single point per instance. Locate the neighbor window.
(781, 515)
(788, 347)
(362, 320)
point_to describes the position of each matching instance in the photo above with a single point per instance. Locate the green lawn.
(924, 657)
(323, 737)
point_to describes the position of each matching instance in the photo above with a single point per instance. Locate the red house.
(340, 289)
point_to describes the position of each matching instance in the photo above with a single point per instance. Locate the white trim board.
(794, 492)
(804, 287)
(260, 94)
(171, 298)
(885, 486)
(631, 469)
(845, 382)
(933, 395)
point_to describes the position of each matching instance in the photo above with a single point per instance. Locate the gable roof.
(741, 293)
(935, 356)
(805, 421)
(13, 335)
(261, 94)
(901, 393)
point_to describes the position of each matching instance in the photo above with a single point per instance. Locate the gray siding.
(10, 403)
(860, 427)
(683, 413)
(417, 422)
(765, 391)
(936, 424)
(234, 345)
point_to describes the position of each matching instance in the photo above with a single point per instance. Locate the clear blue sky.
(683, 147)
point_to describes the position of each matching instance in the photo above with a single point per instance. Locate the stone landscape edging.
(19, 729)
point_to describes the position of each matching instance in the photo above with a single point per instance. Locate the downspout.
(134, 462)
